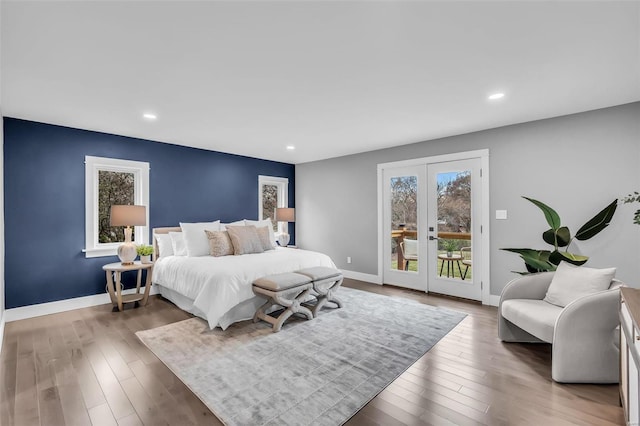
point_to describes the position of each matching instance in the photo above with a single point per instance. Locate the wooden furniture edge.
(631, 297)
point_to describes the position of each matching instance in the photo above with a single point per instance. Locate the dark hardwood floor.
(87, 367)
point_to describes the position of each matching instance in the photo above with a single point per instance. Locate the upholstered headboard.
(165, 230)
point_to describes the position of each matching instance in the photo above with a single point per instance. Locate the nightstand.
(114, 277)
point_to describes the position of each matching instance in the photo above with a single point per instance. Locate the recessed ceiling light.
(496, 96)
(291, 147)
(149, 116)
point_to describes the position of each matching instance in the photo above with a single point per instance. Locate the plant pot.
(145, 259)
(449, 254)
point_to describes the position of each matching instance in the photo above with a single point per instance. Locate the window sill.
(100, 252)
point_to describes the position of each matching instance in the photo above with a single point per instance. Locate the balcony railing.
(400, 234)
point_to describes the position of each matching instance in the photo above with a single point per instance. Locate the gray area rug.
(318, 372)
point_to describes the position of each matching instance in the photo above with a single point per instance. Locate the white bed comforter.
(217, 284)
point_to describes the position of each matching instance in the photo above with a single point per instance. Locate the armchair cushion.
(571, 282)
(536, 317)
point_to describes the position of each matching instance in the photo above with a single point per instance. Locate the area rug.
(318, 372)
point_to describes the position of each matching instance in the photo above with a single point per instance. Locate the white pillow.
(571, 282)
(223, 226)
(265, 222)
(195, 238)
(165, 246)
(177, 243)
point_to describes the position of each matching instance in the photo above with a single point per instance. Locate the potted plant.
(145, 253)
(558, 237)
(449, 246)
(633, 198)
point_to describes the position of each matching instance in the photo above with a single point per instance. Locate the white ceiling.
(330, 77)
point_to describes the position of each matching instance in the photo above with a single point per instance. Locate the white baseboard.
(370, 278)
(493, 300)
(31, 311)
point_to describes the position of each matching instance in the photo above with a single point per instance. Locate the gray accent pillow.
(219, 243)
(571, 282)
(265, 239)
(245, 239)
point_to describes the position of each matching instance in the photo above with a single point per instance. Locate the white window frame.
(283, 196)
(93, 165)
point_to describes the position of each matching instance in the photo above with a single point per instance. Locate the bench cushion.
(319, 272)
(279, 282)
(536, 317)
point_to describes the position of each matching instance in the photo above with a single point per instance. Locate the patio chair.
(465, 253)
(409, 250)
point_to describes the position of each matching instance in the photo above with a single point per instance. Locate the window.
(108, 182)
(272, 192)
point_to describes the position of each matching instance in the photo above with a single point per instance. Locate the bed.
(219, 289)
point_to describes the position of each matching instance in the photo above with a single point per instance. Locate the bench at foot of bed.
(287, 290)
(326, 282)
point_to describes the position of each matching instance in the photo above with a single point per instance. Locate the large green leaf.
(555, 257)
(558, 238)
(564, 236)
(575, 259)
(553, 219)
(598, 222)
(535, 260)
(549, 237)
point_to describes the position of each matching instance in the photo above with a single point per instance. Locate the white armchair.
(583, 333)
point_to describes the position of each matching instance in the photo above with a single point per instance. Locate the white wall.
(577, 164)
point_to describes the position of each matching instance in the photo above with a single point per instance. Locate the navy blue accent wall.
(44, 178)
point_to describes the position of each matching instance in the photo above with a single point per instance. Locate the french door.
(404, 219)
(431, 227)
(453, 212)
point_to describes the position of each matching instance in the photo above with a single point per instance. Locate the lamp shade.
(128, 215)
(285, 214)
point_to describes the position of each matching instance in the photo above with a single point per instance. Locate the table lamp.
(128, 216)
(285, 214)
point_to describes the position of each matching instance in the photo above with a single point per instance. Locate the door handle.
(431, 238)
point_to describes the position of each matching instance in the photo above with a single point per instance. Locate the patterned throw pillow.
(219, 243)
(265, 239)
(245, 239)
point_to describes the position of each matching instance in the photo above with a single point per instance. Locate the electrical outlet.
(348, 259)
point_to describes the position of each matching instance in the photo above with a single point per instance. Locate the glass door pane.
(454, 225)
(404, 223)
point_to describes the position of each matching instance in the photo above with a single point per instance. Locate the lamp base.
(127, 253)
(283, 240)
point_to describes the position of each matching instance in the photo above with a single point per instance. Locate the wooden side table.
(449, 261)
(114, 277)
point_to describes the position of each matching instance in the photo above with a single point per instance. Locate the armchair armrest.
(532, 286)
(586, 330)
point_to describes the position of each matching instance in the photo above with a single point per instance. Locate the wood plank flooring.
(87, 367)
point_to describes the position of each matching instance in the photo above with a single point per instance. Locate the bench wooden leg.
(326, 290)
(290, 300)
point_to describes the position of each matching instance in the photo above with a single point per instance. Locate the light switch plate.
(501, 214)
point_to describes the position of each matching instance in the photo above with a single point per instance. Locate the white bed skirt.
(241, 312)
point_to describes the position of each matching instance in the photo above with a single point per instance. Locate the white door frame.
(483, 155)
